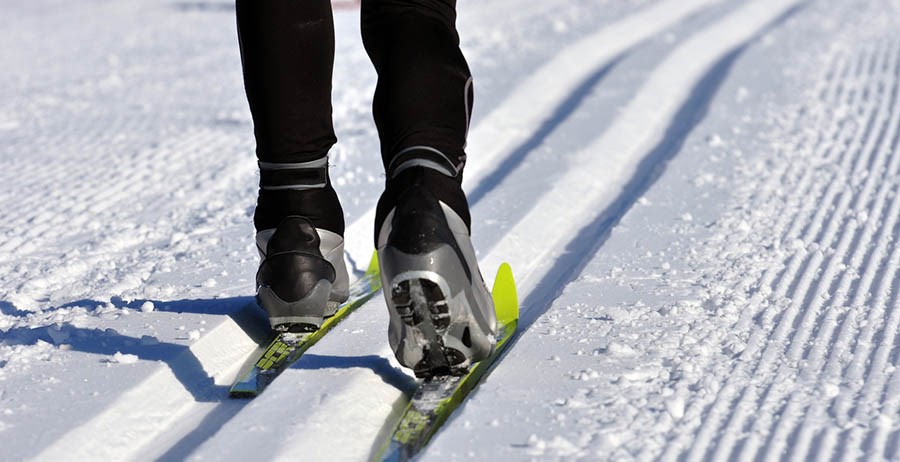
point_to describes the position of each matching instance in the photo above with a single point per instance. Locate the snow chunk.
(562, 446)
(147, 307)
(121, 358)
(558, 445)
(831, 390)
(675, 408)
(796, 244)
(715, 141)
(586, 374)
(621, 350)
(560, 26)
(534, 442)
(194, 335)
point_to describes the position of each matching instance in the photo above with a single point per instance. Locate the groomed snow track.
(808, 330)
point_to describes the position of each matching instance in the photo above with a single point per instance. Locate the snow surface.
(700, 200)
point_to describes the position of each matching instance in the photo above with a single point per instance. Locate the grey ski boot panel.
(305, 314)
(297, 284)
(331, 246)
(442, 316)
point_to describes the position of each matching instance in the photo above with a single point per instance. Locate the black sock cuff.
(444, 188)
(321, 206)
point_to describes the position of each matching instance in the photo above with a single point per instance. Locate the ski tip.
(373, 264)
(506, 299)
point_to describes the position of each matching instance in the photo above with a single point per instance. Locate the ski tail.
(436, 398)
(286, 348)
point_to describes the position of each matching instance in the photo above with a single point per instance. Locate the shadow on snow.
(178, 357)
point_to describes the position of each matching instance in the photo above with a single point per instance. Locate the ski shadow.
(107, 342)
(380, 365)
(242, 310)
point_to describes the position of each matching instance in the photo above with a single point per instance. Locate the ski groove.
(792, 275)
(853, 231)
(861, 236)
(802, 290)
(826, 235)
(832, 90)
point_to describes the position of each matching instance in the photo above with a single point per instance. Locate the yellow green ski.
(288, 347)
(435, 399)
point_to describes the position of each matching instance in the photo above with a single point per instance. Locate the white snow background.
(699, 199)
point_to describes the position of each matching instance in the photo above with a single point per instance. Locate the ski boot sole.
(422, 306)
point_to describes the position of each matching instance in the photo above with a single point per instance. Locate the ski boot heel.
(302, 278)
(304, 315)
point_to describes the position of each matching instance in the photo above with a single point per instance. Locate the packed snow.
(699, 199)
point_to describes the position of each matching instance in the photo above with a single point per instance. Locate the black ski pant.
(421, 106)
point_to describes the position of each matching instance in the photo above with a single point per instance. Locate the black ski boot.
(302, 278)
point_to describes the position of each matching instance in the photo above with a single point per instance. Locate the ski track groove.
(806, 328)
(800, 287)
(525, 276)
(831, 90)
(725, 445)
(863, 379)
(704, 435)
(822, 327)
(840, 92)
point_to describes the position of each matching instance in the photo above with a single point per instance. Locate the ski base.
(436, 398)
(288, 347)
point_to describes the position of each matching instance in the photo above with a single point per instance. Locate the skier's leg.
(287, 53)
(424, 95)
(442, 317)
